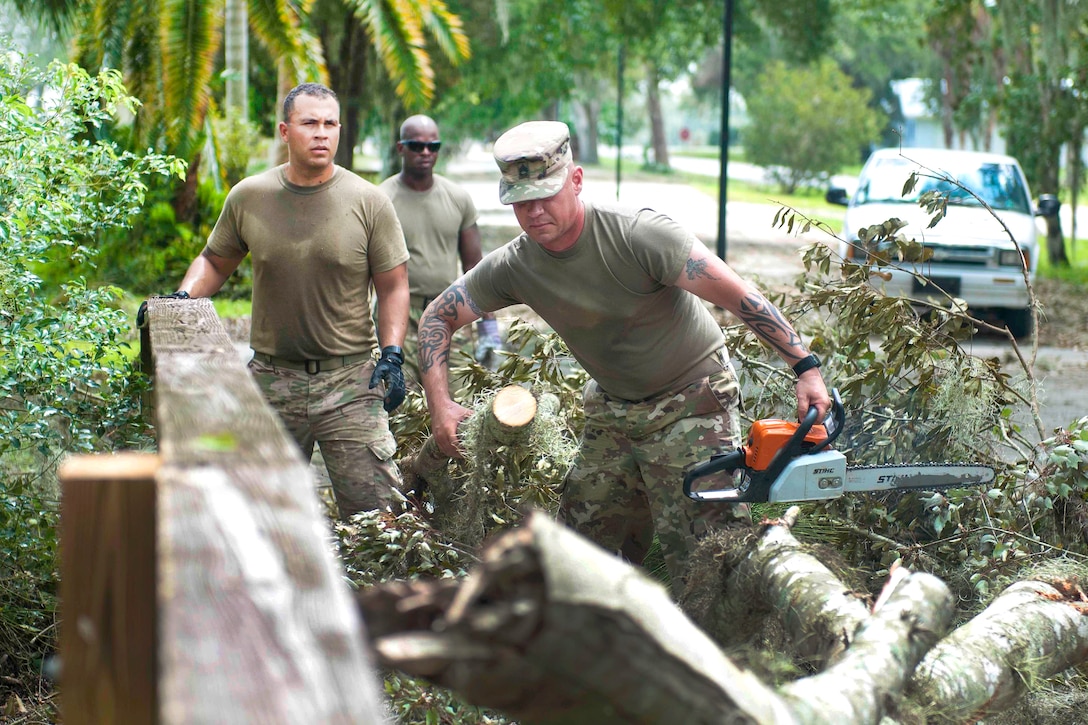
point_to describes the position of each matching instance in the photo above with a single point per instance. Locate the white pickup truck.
(973, 257)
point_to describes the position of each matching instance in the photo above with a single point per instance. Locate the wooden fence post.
(108, 589)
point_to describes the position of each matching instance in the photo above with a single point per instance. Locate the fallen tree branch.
(819, 612)
(1031, 631)
(552, 629)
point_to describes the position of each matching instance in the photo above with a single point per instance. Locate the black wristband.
(805, 364)
(392, 350)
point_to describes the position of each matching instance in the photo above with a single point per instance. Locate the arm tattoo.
(697, 268)
(768, 323)
(436, 326)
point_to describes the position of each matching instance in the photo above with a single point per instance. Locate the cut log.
(1031, 631)
(819, 612)
(552, 629)
(512, 412)
(507, 420)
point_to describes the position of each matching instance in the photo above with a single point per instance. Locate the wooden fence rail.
(198, 584)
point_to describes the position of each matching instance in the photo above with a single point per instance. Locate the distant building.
(922, 120)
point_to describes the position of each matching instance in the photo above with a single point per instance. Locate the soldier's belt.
(312, 366)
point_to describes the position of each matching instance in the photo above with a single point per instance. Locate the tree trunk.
(508, 420)
(1032, 631)
(586, 113)
(236, 30)
(657, 121)
(285, 81)
(347, 75)
(1055, 241)
(185, 200)
(552, 629)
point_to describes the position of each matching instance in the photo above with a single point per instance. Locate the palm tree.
(354, 33)
(167, 51)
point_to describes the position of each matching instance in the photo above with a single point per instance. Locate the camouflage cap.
(534, 159)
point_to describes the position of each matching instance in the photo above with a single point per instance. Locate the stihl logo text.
(888, 478)
(818, 471)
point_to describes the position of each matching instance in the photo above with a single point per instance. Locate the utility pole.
(723, 179)
(619, 119)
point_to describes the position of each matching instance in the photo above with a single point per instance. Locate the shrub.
(65, 383)
(811, 123)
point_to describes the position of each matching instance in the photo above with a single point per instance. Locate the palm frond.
(140, 59)
(446, 29)
(278, 25)
(192, 35)
(100, 41)
(59, 14)
(397, 34)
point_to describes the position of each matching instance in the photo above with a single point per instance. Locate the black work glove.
(388, 371)
(141, 314)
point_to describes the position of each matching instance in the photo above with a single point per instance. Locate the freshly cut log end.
(514, 407)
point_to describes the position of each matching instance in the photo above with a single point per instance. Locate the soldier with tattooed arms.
(624, 288)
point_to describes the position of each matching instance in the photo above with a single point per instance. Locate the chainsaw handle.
(756, 488)
(721, 462)
(836, 418)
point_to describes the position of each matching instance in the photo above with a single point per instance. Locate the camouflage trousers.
(627, 483)
(336, 410)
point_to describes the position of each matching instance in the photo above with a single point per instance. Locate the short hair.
(316, 90)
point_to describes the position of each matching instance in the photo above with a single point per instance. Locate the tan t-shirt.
(432, 221)
(612, 299)
(313, 250)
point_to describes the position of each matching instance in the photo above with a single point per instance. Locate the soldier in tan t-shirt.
(624, 288)
(439, 222)
(320, 237)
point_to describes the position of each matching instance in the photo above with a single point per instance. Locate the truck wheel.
(1018, 322)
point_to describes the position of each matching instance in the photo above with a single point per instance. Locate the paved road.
(755, 246)
(476, 172)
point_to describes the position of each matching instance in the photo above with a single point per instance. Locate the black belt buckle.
(313, 366)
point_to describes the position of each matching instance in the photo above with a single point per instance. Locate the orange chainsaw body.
(767, 436)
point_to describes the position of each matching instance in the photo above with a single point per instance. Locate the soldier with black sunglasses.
(439, 222)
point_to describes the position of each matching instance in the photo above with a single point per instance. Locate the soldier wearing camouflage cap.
(625, 289)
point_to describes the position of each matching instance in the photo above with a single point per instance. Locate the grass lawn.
(1076, 272)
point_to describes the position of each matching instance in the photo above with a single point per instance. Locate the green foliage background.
(808, 123)
(66, 383)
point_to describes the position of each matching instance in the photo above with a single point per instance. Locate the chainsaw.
(790, 461)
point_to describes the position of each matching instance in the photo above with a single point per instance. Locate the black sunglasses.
(417, 147)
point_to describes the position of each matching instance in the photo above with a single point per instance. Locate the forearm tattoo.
(695, 268)
(436, 325)
(768, 323)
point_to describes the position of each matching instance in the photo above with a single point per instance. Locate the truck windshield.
(999, 185)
